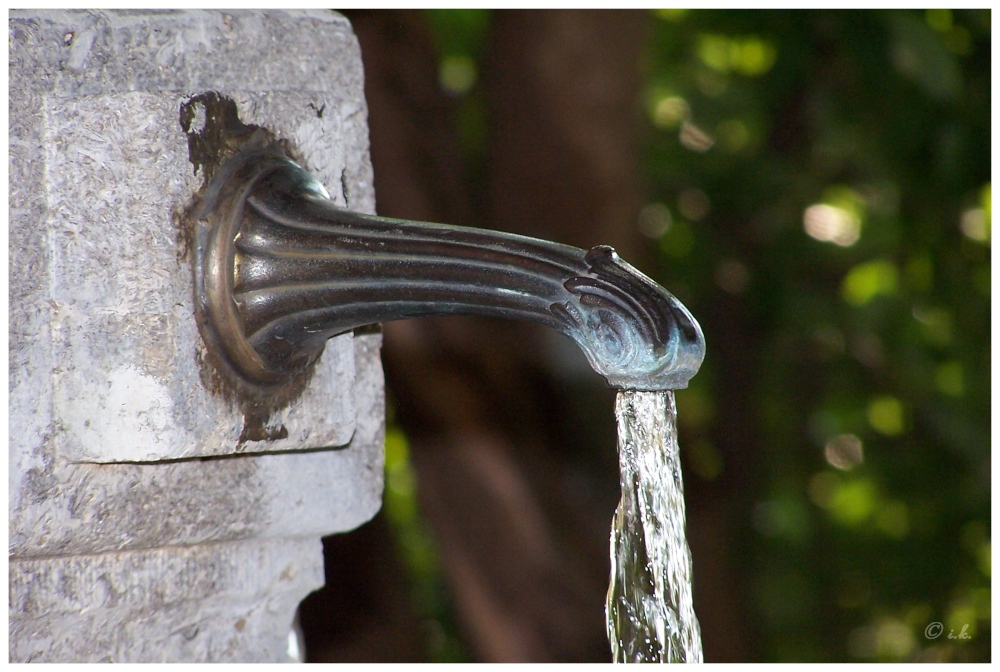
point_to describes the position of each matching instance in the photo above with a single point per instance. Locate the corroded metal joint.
(281, 269)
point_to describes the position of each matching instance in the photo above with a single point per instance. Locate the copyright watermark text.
(936, 629)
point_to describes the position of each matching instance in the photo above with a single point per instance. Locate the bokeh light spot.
(885, 414)
(654, 220)
(750, 55)
(670, 112)
(973, 224)
(961, 619)
(866, 281)
(976, 222)
(397, 449)
(852, 502)
(694, 138)
(713, 50)
(844, 452)
(457, 74)
(888, 638)
(831, 224)
(753, 56)
(894, 639)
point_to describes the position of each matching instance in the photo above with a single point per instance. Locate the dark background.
(815, 187)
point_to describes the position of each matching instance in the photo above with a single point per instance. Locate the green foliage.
(841, 159)
(829, 173)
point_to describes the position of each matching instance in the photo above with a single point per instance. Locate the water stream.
(650, 613)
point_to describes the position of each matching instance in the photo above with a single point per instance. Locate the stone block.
(103, 171)
(145, 525)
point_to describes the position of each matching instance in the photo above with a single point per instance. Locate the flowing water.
(650, 614)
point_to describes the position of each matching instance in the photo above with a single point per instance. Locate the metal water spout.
(280, 269)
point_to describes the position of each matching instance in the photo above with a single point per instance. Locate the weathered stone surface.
(141, 527)
(210, 603)
(89, 508)
(95, 99)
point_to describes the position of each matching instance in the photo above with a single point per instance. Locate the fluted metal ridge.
(283, 269)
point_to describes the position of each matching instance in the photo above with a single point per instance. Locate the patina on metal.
(281, 269)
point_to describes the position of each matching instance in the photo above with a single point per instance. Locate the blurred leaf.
(866, 281)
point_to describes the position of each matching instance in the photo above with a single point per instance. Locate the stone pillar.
(149, 521)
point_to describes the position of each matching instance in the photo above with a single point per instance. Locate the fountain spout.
(280, 269)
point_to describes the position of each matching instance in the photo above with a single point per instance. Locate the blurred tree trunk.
(563, 89)
(514, 452)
